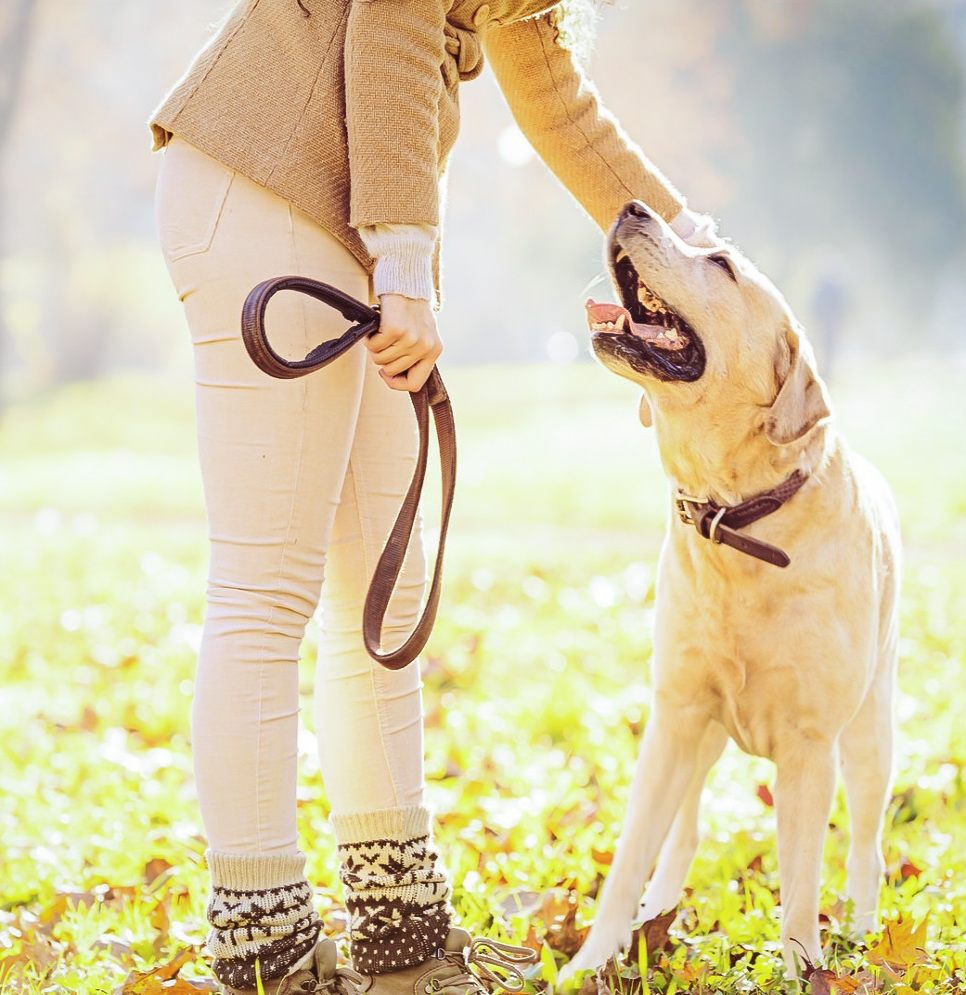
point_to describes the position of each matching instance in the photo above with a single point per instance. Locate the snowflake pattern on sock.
(398, 902)
(276, 926)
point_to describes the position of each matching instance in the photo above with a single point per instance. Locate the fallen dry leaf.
(162, 980)
(63, 903)
(559, 912)
(765, 796)
(903, 944)
(154, 868)
(825, 982)
(907, 869)
(654, 933)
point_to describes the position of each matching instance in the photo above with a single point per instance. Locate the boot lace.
(500, 964)
(345, 981)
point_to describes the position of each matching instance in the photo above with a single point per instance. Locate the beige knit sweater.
(351, 112)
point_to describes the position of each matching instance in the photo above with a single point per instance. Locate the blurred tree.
(850, 119)
(815, 129)
(90, 290)
(15, 22)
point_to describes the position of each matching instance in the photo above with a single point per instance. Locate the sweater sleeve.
(559, 111)
(404, 259)
(393, 53)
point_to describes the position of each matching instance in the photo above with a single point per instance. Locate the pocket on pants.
(191, 193)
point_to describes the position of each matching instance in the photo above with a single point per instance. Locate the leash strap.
(720, 523)
(431, 397)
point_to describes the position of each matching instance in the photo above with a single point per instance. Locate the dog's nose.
(635, 209)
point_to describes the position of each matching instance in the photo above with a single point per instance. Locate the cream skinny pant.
(302, 479)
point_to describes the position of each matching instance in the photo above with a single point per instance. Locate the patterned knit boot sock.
(397, 894)
(260, 908)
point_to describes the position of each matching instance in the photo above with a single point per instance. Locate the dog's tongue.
(613, 318)
(605, 315)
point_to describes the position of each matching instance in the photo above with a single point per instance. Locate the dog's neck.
(728, 470)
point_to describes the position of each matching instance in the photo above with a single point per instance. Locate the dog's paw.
(592, 956)
(571, 976)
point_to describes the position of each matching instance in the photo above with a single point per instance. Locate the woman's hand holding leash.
(407, 343)
(428, 396)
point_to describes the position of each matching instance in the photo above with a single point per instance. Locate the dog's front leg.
(665, 766)
(665, 887)
(803, 798)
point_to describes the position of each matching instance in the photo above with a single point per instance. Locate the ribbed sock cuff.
(397, 894)
(399, 824)
(260, 909)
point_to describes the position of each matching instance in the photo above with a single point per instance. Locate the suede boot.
(463, 966)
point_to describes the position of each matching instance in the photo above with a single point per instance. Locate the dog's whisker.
(599, 278)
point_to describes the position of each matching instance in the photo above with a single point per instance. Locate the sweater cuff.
(404, 259)
(698, 230)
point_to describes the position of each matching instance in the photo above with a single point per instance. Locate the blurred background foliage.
(826, 135)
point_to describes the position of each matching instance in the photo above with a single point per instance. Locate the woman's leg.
(369, 720)
(287, 466)
(273, 457)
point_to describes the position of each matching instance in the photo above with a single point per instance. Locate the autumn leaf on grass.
(654, 933)
(825, 982)
(162, 980)
(903, 945)
(558, 909)
(154, 869)
(907, 869)
(616, 977)
(117, 949)
(64, 902)
(24, 947)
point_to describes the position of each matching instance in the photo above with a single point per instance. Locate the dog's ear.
(801, 403)
(644, 412)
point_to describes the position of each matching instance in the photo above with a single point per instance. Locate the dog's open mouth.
(644, 329)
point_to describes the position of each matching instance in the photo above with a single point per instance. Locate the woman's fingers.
(413, 378)
(407, 343)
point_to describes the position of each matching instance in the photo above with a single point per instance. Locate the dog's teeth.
(621, 254)
(622, 322)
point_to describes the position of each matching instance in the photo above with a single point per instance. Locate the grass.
(536, 695)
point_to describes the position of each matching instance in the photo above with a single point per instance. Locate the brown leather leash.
(720, 523)
(432, 396)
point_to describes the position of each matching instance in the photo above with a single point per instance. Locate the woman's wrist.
(404, 259)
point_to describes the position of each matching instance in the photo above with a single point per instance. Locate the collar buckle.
(683, 502)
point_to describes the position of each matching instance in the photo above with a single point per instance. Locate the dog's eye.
(725, 263)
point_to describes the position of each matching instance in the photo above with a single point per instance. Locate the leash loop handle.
(256, 339)
(432, 396)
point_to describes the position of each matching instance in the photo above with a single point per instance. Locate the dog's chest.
(741, 654)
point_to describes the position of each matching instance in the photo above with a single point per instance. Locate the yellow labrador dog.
(776, 605)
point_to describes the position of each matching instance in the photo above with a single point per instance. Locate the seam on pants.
(286, 545)
(363, 512)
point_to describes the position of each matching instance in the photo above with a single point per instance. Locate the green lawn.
(537, 688)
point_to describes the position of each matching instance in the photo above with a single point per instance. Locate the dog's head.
(709, 338)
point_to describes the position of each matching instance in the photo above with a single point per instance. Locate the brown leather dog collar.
(720, 523)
